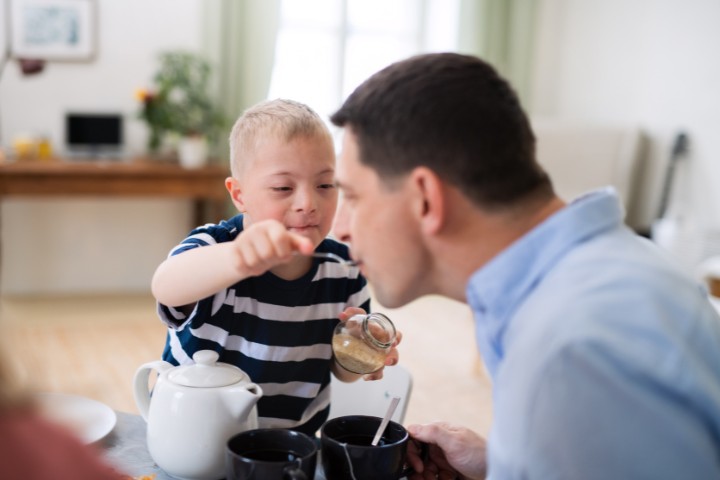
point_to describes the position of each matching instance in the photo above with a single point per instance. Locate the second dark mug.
(347, 453)
(268, 453)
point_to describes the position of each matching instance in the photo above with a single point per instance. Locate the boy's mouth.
(302, 228)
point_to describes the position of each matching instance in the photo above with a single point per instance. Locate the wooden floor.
(91, 346)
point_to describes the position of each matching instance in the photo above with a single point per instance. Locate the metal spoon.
(391, 409)
(337, 258)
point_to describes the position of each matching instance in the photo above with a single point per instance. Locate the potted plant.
(180, 104)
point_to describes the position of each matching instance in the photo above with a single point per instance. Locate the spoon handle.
(391, 409)
(335, 257)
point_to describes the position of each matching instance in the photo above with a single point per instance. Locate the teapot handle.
(140, 382)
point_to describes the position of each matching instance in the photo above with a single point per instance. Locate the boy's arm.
(188, 277)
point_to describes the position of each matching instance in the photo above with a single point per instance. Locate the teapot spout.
(240, 402)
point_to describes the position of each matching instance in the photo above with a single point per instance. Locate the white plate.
(87, 418)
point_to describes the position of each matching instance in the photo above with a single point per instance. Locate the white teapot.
(193, 411)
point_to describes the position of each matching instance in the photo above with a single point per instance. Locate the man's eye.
(281, 189)
(327, 185)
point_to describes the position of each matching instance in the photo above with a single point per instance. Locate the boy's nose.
(305, 201)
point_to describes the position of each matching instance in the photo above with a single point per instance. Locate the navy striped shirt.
(277, 331)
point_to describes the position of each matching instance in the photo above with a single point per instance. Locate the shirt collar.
(496, 289)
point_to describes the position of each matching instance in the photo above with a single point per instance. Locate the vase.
(193, 151)
(154, 140)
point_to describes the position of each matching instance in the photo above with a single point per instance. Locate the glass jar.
(44, 148)
(362, 343)
(25, 147)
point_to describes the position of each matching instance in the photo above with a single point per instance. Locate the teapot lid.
(207, 372)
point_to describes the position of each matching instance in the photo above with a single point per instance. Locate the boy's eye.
(327, 185)
(281, 189)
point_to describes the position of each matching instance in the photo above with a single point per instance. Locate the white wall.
(94, 245)
(652, 63)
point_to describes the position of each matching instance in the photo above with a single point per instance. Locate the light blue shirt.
(605, 358)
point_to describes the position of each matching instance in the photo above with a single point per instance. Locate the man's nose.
(340, 226)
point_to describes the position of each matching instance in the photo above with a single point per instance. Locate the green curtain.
(501, 32)
(239, 40)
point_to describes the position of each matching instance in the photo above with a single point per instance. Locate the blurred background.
(646, 66)
(621, 92)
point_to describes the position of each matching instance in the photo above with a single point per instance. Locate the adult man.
(605, 359)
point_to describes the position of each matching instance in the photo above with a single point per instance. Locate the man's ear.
(233, 187)
(430, 206)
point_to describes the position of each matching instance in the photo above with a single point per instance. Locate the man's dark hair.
(453, 114)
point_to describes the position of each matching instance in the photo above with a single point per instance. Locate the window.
(326, 48)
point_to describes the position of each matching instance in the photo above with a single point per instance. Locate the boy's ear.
(430, 200)
(233, 187)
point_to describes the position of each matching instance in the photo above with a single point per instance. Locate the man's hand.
(454, 452)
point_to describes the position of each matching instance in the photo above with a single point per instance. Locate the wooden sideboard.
(137, 178)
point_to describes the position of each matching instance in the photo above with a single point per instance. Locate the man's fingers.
(437, 433)
(421, 432)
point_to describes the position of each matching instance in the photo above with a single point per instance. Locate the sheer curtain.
(502, 33)
(239, 40)
(326, 48)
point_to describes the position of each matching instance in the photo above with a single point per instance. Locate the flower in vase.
(180, 102)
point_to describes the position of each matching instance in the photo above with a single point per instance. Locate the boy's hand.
(393, 357)
(267, 244)
(349, 312)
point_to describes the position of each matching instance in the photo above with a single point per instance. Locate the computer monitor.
(94, 134)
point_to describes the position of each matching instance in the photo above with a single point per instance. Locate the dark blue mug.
(347, 453)
(271, 453)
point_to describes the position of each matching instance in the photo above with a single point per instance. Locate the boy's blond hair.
(281, 118)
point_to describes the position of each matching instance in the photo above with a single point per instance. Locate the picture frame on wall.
(53, 29)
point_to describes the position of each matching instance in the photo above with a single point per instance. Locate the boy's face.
(291, 182)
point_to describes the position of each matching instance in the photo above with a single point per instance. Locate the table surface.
(126, 448)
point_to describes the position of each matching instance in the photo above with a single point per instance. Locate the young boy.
(247, 288)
